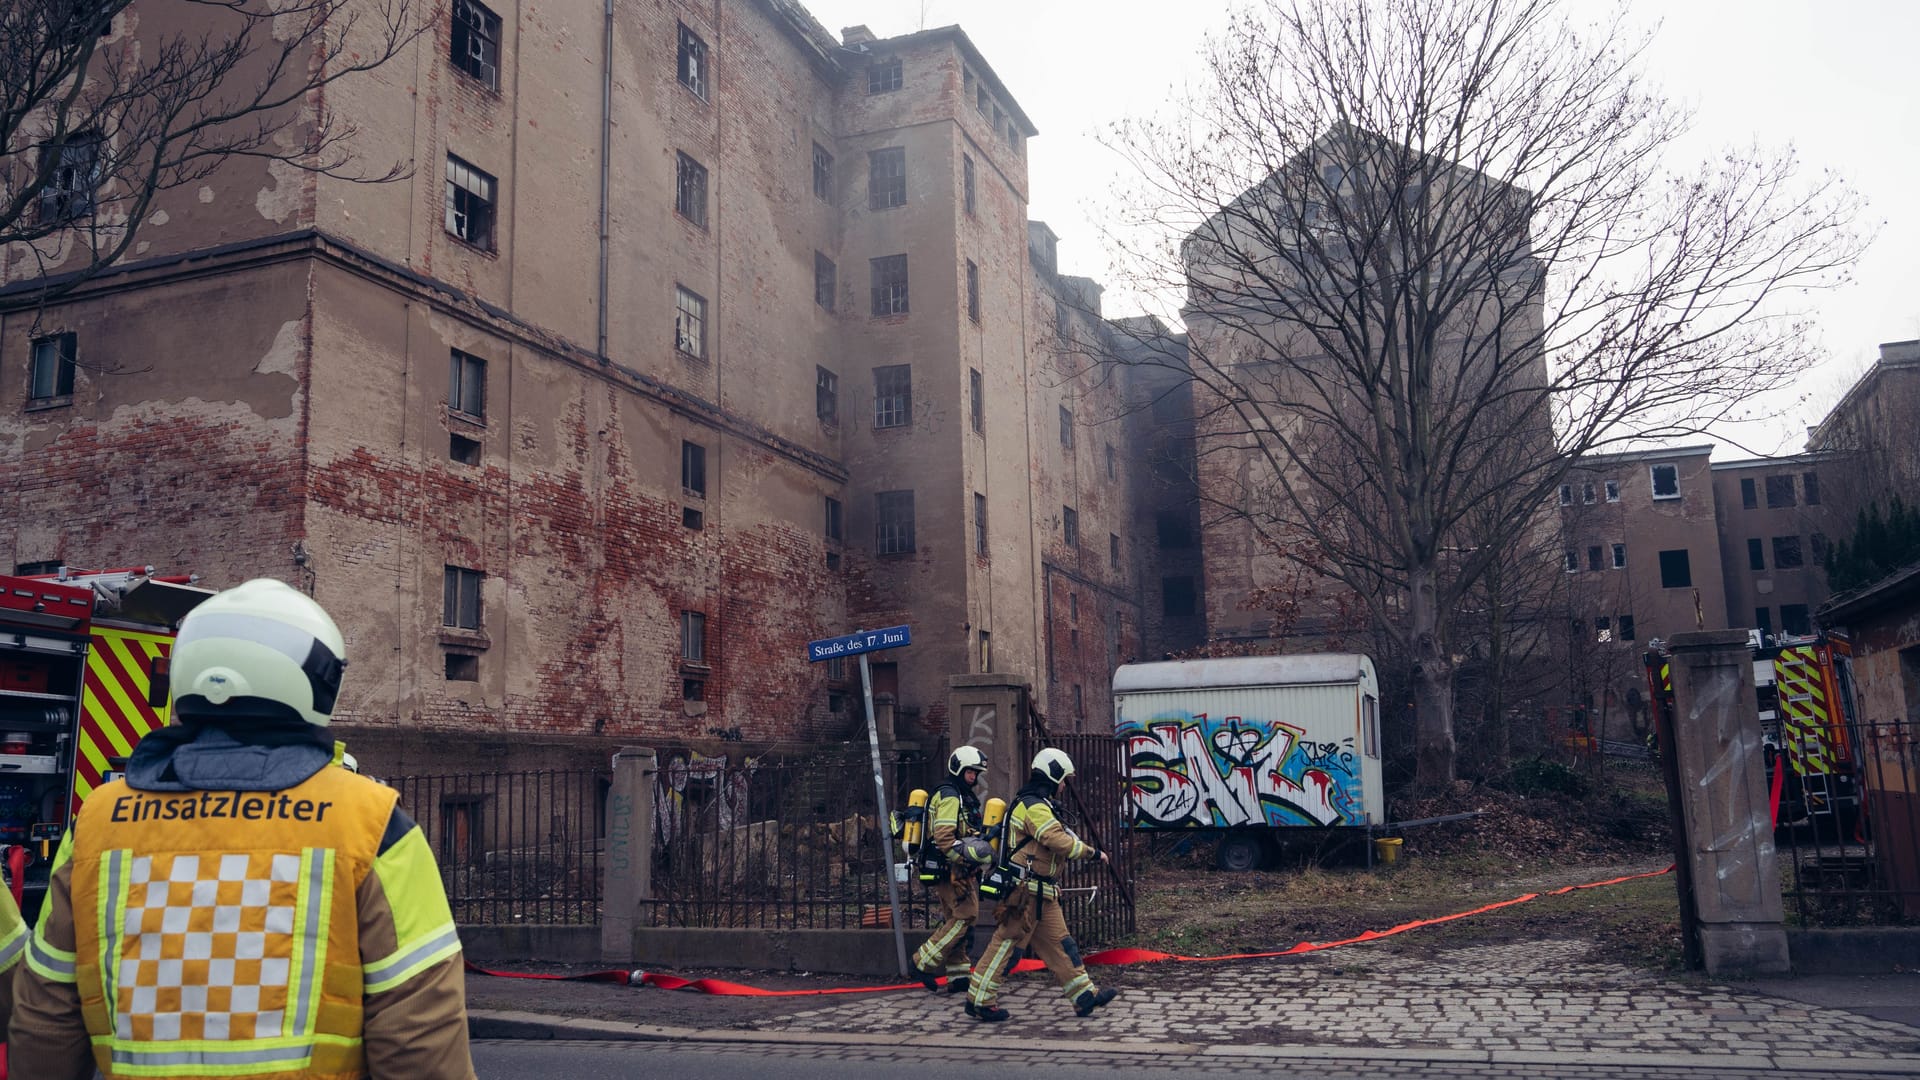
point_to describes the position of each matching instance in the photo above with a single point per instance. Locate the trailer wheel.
(1240, 852)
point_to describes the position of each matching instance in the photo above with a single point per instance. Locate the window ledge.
(695, 667)
(483, 252)
(60, 402)
(465, 421)
(453, 637)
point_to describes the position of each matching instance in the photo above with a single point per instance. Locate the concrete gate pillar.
(628, 858)
(985, 711)
(1724, 806)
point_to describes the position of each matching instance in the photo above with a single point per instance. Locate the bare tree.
(1415, 234)
(104, 106)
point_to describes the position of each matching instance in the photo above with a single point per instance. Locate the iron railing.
(1848, 834)
(779, 844)
(515, 847)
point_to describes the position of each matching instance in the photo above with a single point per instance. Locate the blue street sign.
(854, 644)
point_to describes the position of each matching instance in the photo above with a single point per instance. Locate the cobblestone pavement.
(587, 1060)
(1532, 997)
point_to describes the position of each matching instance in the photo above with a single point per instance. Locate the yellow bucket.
(1387, 848)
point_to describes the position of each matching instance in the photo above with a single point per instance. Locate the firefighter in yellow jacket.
(952, 868)
(233, 907)
(13, 945)
(1040, 847)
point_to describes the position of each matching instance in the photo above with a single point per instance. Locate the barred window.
(893, 396)
(689, 322)
(887, 178)
(889, 274)
(470, 204)
(893, 522)
(476, 42)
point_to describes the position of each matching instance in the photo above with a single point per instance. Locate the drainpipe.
(606, 162)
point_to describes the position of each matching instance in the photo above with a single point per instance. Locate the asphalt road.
(556, 1060)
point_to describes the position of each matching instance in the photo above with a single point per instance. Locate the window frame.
(1113, 550)
(973, 290)
(467, 378)
(693, 636)
(967, 189)
(826, 282)
(690, 189)
(1810, 487)
(482, 65)
(887, 178)
(689, 310)
(1612, 488)
(1572, 561)
(833, 525)
(64, 362)
(893, 396)
(1595, 561)
(826, 395)
(693, 47)
(693, 469)
(1756, 554)
(822, 174)
(1566, 494)
(462, 598)
(890, 280)
(1653, 480)
(1788, 553)
(1066, 428)
(980, 547)
(1627, 628)
(1070, 526)
(893, 523)
(1749, 494)
(1619, 556)
(977, 407)
(886, 76)
(72, 190)
(1779, 492)
(480, 211)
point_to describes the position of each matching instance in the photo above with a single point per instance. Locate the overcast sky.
(1833, 79)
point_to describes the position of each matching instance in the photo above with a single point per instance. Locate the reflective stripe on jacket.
(953, 818)
(248, 933)
(1052, 846)
(13, 945)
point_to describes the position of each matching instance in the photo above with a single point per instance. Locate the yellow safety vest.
(217, 932)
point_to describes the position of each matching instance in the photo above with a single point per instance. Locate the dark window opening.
(834, 524)
(463, 450)
(1666, 481)
(966, 183)
(51, 376)
(973, 291)
(1749, 493)
(690, 189)
(1070, 526)
(887, 178)
(1626, 628)
(1763, 620)
(1173, 529)
(1066, 428)
(1810, 486)
(693, 637)
(822, 174)
(476, 42)
(691, 518)
(1177, 597)
(1795, 619)
(1676, 570)
(1619, 556)
(893, 396)
(825, 281)
(73, 178)
(693, 469)
(1786, 554)
(463, 667)
(977, 405)
(470, 204)
(893, 523)
(461, 598)
(467, 384)
(1779, 491)
(979, 524)
(1593, 557)
(1756, 554)
(889, 275)
(693, 62)
(826, 395)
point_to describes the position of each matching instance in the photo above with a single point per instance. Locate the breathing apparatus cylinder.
(993, 823)
(999, 879)
(914, 822)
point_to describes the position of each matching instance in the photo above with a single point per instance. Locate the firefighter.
(954, 814)
(1040, 847)
(13, 945)
(268, 916)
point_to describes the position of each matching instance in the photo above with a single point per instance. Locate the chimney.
(856, 35)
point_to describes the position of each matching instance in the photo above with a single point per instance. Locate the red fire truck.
(82, 677)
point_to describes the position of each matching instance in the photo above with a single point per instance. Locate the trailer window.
(1370, 725)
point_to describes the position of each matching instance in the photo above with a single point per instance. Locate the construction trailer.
(83, 660)
(1247, 748)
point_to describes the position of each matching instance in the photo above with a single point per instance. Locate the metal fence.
(1096, 898)
(1848, 829)
(779, 844)
(515, 847)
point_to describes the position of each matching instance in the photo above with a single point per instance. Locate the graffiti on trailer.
(1187, 770)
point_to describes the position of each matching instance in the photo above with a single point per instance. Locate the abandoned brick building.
(556, 481)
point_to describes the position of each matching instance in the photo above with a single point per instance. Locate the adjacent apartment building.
(532, 422)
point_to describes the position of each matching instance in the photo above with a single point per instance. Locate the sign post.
(861, 643)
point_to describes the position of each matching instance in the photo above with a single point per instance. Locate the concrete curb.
(489, 1024)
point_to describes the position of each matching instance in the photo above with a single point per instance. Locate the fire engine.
(82, 677)
(1803, 685)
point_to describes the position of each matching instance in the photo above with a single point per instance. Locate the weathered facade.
(555, 486)
(1774, 528)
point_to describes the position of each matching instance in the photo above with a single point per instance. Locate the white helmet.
(1053, 764)
(261, 642)
(964, 758)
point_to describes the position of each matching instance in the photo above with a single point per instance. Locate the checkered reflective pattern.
(208, 946)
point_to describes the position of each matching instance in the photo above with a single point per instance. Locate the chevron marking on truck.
(114, 713)
(1803, 710)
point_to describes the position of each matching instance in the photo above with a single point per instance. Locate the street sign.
(854, 644)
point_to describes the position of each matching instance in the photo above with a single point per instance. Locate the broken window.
(1177, 597)
(690, 190)
(470, 204)
(689, 322)
(826, 395)
(693, 62)
(72, 179)
(1666, 481)
(476, 42)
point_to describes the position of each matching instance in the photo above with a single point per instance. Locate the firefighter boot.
(1089, 1001)
(928, 979)
(991, 1014)
(957, 984)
